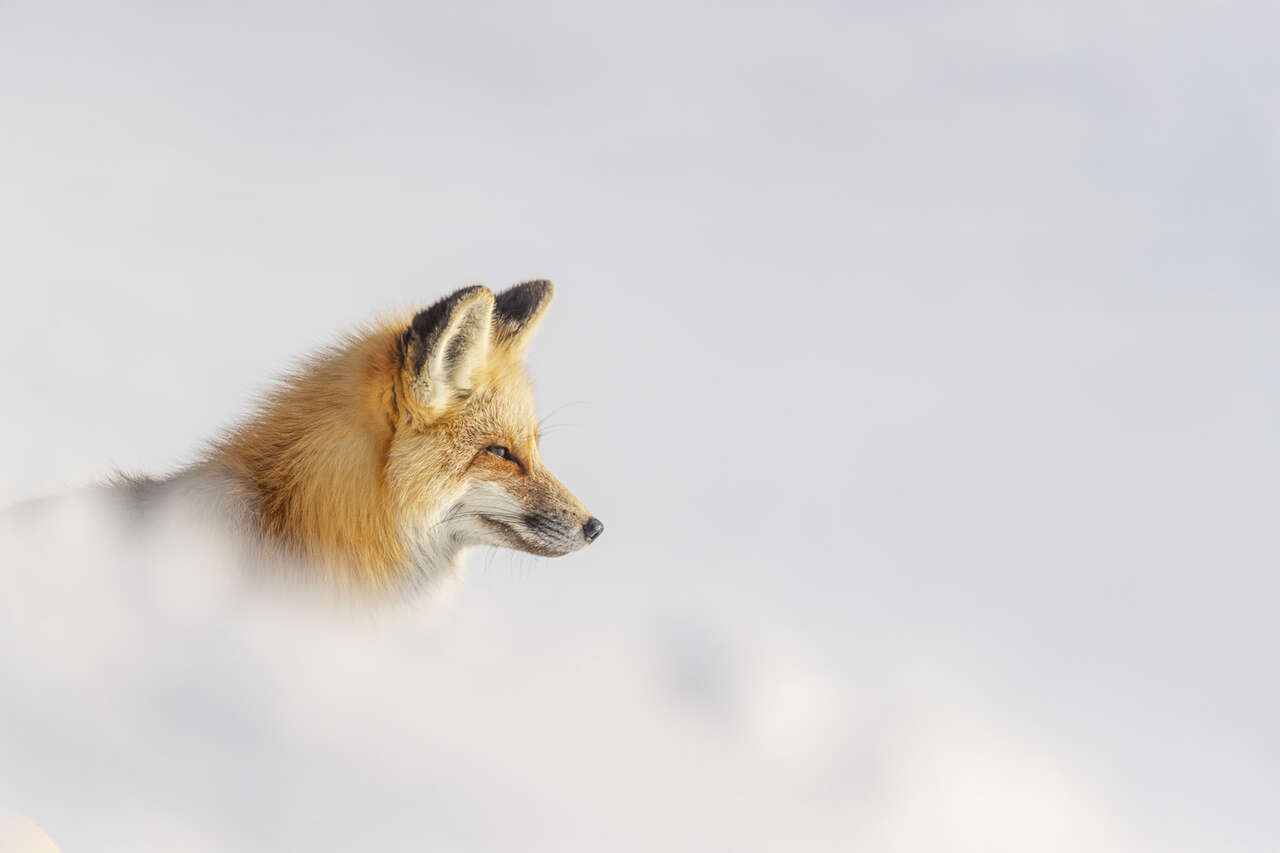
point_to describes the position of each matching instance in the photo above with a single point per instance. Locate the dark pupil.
(500, 452)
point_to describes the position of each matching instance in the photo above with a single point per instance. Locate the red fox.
(380, 461)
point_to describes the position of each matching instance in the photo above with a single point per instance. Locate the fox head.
(381, 460)
(463, 465)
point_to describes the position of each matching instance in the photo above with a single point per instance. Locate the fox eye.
(499, 451)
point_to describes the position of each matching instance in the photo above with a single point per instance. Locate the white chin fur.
(440, 542)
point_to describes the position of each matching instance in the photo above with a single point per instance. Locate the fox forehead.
(501, 407)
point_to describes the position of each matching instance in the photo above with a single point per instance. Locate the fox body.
(379, 462)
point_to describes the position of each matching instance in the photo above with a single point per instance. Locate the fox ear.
(517, 313)
(446, 343)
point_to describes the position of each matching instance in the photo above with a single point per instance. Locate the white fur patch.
(439, 543)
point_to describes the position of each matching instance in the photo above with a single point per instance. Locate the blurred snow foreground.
(151, 699)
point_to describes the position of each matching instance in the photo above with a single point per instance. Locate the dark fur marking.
(516, 306)
(393, 418)
(428, 324)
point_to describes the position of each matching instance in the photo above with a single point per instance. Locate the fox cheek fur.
(384, 458)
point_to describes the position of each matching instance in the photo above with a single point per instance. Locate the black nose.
(592, 529)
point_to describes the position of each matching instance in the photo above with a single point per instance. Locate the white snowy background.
(920, 359)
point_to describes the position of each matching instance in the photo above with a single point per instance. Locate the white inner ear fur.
(461, 348)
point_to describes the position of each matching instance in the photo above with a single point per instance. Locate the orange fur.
(313, 457)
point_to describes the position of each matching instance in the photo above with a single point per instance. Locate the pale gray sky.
(918, 357)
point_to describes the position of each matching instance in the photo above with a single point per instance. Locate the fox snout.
(535, 514)
(555, 522)
(557, 533)
(558, 520)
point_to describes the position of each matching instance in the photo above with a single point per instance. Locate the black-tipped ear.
(517, 312)
(445, 344)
